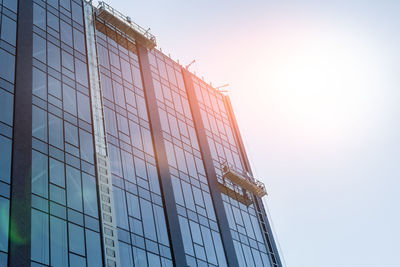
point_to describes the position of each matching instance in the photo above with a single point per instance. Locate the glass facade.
(142, 229)
(197, 220)
(251, 248)
(67, 227)
(65, 219)
(8, 29)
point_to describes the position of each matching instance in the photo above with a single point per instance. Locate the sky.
(315, 87)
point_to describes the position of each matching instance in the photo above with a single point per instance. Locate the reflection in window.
(56, 136)
(93, 249)
(54, 87)
(39, 48)
(4, 209)
(53, 59)
(57, 174)
(66, 33)
(84, 107)
(39, 83)
(39, 174)
(81, 72)
(89, 195)
(5, 159)
(76, 239)
(58, 242)
(8, 30)
(40, 237)
(69, 99)
(74, 191)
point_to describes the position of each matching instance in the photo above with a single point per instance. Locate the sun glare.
(320, 85)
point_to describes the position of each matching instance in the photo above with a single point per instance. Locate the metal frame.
(243, 179)
(125, 23)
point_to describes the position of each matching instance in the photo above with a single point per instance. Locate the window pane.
(161, 225)
(89, 195)
(115, 160)
(187, 240)
(76, 261)
(93, 248)
(40, 237)
(8, 30)
(39, 16)
(86, 146)
(79, 41)
(11, 5)
(139, 257)
(58, 242)
(67, 60)
(39, 83)
(84, 107)
(39, 174)
(208, 245)
(74, 188)
(148, 219)
(81, 72)
(5, 211)
(54, 87)
(76, 239)
(77, 13)
(53, 53)
(6, 107)
(66, 33)
(120, 207)
(119, 94)
(39, 48)
(57, 175)
(66, 4)
(5, 159)
(71, 134)
(39, 123)
(69, 99)
(127, 163)
(125, 252)
(56, 135)
(6, 66)
(52, 21)
(57, 194)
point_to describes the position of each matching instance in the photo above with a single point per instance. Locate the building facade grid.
(173, 205)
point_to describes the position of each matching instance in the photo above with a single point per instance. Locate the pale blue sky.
(316, 90)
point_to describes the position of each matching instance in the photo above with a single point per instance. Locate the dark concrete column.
(20, 209)
(210, 171)
(265, 225)
(174, 231)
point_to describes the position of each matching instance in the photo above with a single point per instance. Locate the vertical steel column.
(103, 172)
(259, 204)
(210, 171)
(174, 231)
(21, 182)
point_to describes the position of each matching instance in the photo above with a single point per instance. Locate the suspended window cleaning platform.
(126, 25)
(244, 180)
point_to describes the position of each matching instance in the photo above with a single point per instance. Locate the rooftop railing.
(125, 23)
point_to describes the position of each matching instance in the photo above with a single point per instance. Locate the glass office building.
(113, 154)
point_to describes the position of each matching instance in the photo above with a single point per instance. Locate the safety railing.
(125, 23)
(243, 179)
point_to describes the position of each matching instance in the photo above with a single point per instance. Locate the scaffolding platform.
(126, 25)
(244, 180)
(244, 199)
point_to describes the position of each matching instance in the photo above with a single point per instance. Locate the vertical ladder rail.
(106, 199)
